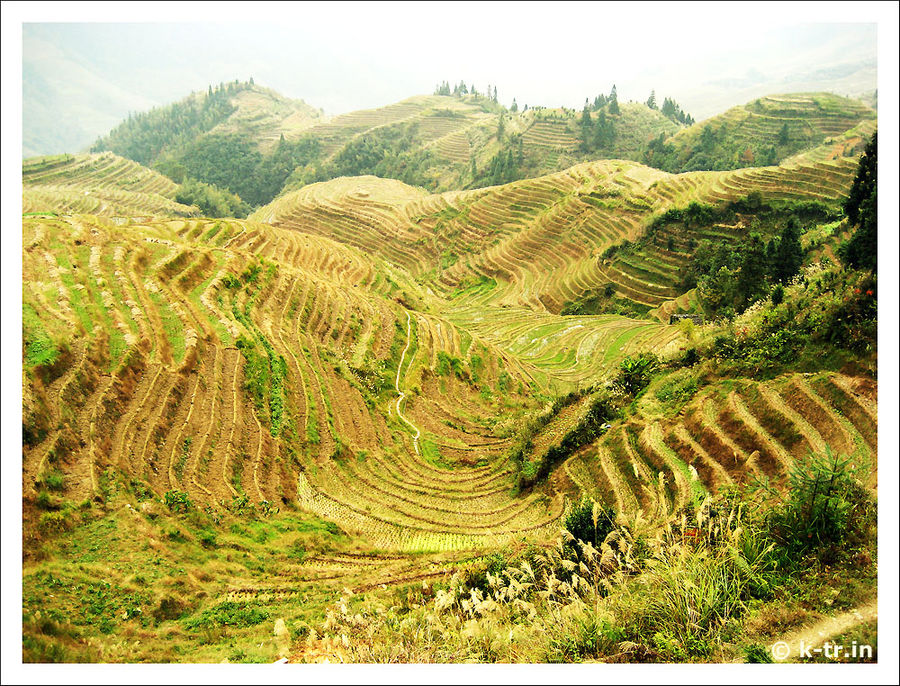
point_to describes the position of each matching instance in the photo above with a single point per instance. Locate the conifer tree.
(613, 101)
(861, 207)
(789, 254)
(587, 126)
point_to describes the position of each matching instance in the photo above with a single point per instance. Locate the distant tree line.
(505, 166)
(233, 162)
(212, 201)
(671, 110)
(609, 102)
(460, 89)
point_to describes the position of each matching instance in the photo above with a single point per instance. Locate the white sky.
(347, 56)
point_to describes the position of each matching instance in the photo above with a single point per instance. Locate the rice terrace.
(452, 380)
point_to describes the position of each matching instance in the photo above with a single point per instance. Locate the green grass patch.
(172, 326)
(39, 347)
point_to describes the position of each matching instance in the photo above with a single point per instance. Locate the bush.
(590, 522)
(635, 372)
(211, 200)
(826, 507)
(207, 538)
(678, 389)
(232, 614)
(56, 521)
(178, 501)
(45, 501)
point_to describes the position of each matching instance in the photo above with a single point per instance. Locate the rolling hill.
(763, 132)
(366, 384)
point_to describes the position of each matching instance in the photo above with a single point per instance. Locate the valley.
(388, 380)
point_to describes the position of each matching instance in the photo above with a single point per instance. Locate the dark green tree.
(613, 101)
(651, 101)
(751, 283)
(861, 208)
(604, 132)
(587, 126)
(789, 254)
(514, 107)
(783, 135)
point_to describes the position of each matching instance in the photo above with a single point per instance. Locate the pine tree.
(789, 254)
(861, 208)
(587, 125)
(751, 282)
(495, 93)
(783, 135)
(613, 101)
(514, 107)
(651, 101)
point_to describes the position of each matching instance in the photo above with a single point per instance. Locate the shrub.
(178, 501)
(635, 372)
(757, 654)
(232, 614)
(678, 389)
(590, 522)
(826, 507)
(54, 481)
(45, 501)
(207, 538)
(56, 521)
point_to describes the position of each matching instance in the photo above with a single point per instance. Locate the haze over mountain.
(96, 73)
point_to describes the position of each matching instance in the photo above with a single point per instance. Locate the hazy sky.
(343, 58)
(346, 56)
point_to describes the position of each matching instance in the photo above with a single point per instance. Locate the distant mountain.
(65, 104)
(244, 140)
(258, 144)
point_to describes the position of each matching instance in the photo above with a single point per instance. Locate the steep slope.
(228, 358)
(763, 132)
(238, 107)
(99, 184)
(733, 433)
(540, 243)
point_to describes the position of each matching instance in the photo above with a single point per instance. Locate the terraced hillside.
(266, 116)
(539, 243)
(359, 346)
(226, 358)
(731, 434)
(99, 184)
(762, 132)
(239, 107)
(649, 274)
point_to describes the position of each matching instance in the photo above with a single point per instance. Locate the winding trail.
(826, 629)
(400, 393)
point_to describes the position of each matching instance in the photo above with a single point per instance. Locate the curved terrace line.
(400, 393)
